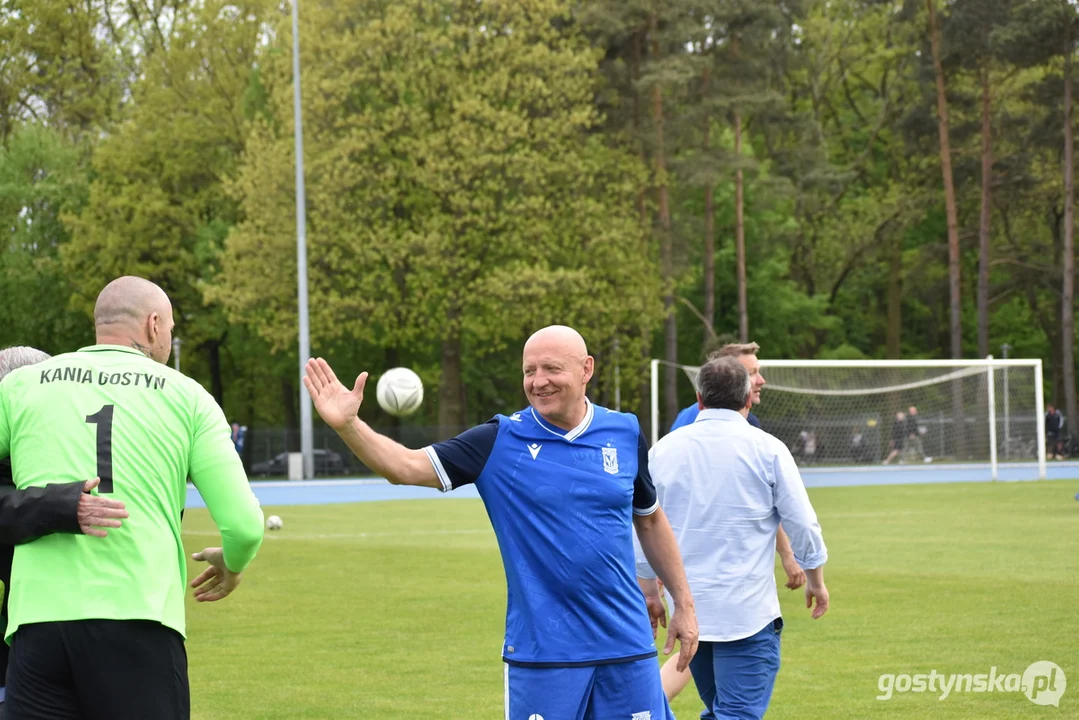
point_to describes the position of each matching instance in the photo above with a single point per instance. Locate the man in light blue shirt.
(725, 487)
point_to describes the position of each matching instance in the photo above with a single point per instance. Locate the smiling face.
(557, 369)
(756, 380)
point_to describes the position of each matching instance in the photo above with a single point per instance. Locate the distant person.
(805, 447)
(914, 446)
(899, 437)
(1054, 425)
(563, 482)
(239, 434)
(26, 515)
(726, 487)
(859, 448)
(96, 626)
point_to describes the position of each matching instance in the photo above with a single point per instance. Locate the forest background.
(828, 178)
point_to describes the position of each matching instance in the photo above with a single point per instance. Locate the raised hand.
(336, 404)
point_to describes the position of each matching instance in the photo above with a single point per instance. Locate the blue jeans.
(735, 679)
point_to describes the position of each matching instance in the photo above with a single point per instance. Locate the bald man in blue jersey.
(564, 482)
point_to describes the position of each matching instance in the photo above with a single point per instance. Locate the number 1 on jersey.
(103, 419)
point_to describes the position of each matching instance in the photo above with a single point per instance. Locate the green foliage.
(456, 186)
(476, 170)
(40, 180)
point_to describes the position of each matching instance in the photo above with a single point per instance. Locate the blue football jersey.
(688, 416)
(561, 505)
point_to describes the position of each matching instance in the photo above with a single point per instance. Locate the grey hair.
(724, 384)
(13, 358)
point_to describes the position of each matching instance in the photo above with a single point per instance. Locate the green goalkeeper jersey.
(144, 429)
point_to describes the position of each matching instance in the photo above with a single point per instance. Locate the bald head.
(128, 300)
(561, 339)
(134, 312)
(557, 369)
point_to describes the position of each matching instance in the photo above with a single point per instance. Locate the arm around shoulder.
(30, 513)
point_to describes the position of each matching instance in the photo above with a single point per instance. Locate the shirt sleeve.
(28, 514)
(645, 501)
(218, 474)
(796, 512)
(460, 460)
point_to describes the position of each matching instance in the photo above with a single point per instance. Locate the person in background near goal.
(1054, 423)
(38, 511)
(563, 482)
(674, 681)
(96, 625)
(722, 467)
(914, 446)
(899, 437)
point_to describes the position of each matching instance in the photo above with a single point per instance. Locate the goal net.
(915, 413)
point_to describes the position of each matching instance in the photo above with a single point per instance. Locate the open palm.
(335, 403)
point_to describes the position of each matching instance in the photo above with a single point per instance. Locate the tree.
(41, 180)
(57, 69)
(954, 302)
(459, 194)
(157, 207)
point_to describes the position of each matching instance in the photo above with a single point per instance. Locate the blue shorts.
(626, 691)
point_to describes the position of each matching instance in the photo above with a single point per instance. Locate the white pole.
(306, 432)
(176, 343)
(1007, 408)
(992, 418)
(654, 378)
(1039, 416)
(617, 379)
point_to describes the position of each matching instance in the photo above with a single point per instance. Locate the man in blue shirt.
(674, 681)
(564, 483)
(746, 353)
(721, 467)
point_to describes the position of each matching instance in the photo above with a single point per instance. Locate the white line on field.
(285, 535)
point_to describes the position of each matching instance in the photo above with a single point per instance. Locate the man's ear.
(700, 402)
(589, 367)
(153, 321)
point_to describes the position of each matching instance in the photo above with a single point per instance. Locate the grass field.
(395, 610)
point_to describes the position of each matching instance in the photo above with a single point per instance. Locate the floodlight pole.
(176, 343)
(306, 433)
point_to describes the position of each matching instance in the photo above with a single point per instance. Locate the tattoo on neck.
(142, 349)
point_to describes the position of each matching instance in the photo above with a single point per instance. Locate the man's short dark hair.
(723, 383)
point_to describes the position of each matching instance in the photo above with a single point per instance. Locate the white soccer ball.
(399, 391)
(273, 523)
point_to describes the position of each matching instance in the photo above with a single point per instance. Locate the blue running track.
(324, 492)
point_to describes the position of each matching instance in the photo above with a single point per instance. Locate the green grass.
(395, 610)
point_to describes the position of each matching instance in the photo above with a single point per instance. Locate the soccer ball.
(399, 391)
(273, 523)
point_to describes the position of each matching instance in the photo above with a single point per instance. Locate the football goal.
(908, 412)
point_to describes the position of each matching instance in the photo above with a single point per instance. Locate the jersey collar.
(570, 435)
(111, 348)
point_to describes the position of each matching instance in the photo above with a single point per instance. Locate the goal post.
(859, 412)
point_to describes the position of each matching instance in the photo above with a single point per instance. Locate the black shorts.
(97, 670)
